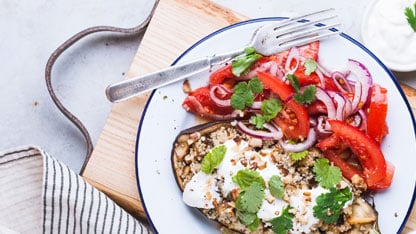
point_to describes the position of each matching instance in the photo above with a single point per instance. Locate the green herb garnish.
(329, 205)
(276, 187)
(243, 93)
(326, 175)
(213, 159)
(245, 177)
(284, 222)
(310, 66)
(270, 108)
(303, 97)
(248, 204)
(411, 16)
(297, 156)
(242, 64)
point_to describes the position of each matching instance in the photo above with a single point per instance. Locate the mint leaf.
(411, 16)
(298, 155)
(326, 175)
(245, 177)
(242, 64)
(213, 159)
(310, 66)
(307, 96)
(243, 93)
(284, 222)
(329, 205)
(276, 187)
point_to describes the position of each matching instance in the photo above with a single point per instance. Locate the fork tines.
(307, 28)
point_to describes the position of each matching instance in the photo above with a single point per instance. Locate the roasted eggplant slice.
(284, 194)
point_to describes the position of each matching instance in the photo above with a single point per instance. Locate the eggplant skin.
(360, 217)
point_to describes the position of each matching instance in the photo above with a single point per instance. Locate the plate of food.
(316, 138)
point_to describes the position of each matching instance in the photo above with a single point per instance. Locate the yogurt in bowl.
(388, 35)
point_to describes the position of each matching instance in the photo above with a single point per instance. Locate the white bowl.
(386, 33)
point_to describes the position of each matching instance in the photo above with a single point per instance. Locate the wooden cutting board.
(175, 26)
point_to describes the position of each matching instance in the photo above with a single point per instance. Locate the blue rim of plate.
(392, 77)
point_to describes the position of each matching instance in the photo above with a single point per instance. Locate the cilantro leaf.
(242, 96)
(270, 109)
(294, 81)
(213, 159)
(255, 85)
(245, 177)
(248, 204)
(310, 66)
(411, 16)
(250, 198)
(329, 205)
(298, 155)
(284, 222)
(276, 187)
(243, 63)
(307, 96)
(243, 93)
(326, 175)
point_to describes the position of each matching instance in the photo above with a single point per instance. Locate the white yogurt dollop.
(386, 33)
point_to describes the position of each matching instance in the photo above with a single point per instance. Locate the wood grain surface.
(175, 26)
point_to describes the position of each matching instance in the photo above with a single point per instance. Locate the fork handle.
(126, 89)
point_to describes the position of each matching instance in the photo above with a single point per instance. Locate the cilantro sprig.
(270, 108)
(213, 159)
(284, 222)
(251, 197)
(305, 96)
(243, 63)
(329, 205)
(297, 156)
(411, 16)
(326, 175)
(243, 93)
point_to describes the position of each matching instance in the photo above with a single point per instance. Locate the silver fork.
(267, 40)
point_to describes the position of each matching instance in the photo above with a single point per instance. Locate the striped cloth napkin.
(38, 194)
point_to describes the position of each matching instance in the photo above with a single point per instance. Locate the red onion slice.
(200, 110)
(294, 55)
(273, 133)
(364, 78)
(304, 145)
(223, 91)
(341, 82)
(323, 96)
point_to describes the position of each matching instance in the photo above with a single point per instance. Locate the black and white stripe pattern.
(70, 205)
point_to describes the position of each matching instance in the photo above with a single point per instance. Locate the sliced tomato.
(200, 103)
(310, 50)
(293, 119)
(377, 113)
(283, 90)
(365, 148)
(386, 182)
(333, 142)
(221, 74)
(317, 108)
(347, 170)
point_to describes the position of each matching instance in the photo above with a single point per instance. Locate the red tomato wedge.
(377, 113)
(283, 90)
(386, 182)
(221, 74)
(365, 148)
(293, 119)
(348, 171)
(200, 102)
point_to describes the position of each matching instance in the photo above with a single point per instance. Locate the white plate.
(164, 118)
